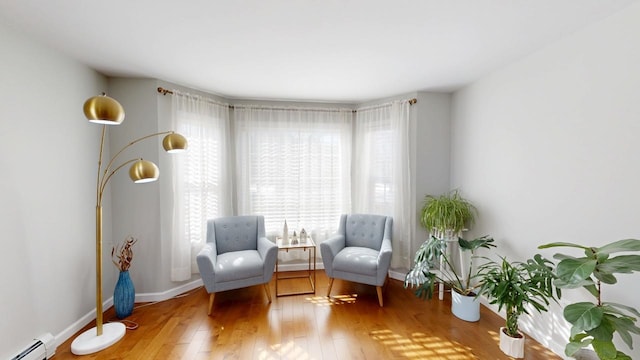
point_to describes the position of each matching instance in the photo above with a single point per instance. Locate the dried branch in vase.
(123, 253)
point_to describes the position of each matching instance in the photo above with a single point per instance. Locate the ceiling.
(310, 50)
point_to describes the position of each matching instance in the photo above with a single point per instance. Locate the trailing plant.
(424, 278)
(516, 285)
(447, 213)
(595, 323)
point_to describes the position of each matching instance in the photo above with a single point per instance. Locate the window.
(202, 174)
(293, 164)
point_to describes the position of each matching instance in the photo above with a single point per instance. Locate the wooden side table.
(308, 245)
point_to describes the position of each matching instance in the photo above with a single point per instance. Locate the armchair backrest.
(235, 233)
(365, 230)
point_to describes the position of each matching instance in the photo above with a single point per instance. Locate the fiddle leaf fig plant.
(595, 323)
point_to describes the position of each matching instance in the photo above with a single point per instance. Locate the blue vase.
(124, 295)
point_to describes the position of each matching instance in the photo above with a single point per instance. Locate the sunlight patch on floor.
(289, 351)
(333, 300)
(421, 346)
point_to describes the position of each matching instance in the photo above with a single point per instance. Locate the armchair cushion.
(358, 260)
(236, 265)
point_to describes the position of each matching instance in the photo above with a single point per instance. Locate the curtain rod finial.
(164, 91)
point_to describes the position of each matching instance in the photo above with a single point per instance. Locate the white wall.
(548, 150)
(432, 153)
(48, 160)
(135, 207)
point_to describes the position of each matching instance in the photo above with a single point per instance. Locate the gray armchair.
(360, 251)
(237, 254)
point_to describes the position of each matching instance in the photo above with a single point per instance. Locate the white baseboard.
(72, 329)
(166, 295)
(397, 275)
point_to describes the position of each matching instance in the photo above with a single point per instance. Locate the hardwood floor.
(350, 325)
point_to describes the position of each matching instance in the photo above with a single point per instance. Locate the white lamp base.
(89, 342)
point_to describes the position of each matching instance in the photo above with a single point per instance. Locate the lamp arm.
(134, 142)
(106, 179)
(102, 181)
(99, 180)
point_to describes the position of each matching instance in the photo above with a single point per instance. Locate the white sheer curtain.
(201, 178)
(293, 164)
(382, 173)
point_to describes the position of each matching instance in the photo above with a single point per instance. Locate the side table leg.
(277, 272)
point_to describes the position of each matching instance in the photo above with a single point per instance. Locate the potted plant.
(594, 323)
(514, 286)
(464, 303)
(446, 215)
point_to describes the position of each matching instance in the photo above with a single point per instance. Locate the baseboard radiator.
(41, 348)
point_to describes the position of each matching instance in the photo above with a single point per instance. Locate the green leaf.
(602, 257)
(622, 356)
(620, 245)
(563, 256)
(623, 307)
(604, 331)
(623, 264)
(577, 343)
(604, 349)
(561, 244)
(592, 289)
(481, 242)
(583, 316)
(575, 271)
(561, 283)
(580, 337)
(624, 326)
(605, 278)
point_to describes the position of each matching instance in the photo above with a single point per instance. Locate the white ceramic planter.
(466, 308)
(513, 347)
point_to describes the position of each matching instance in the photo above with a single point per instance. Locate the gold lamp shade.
(103, 110)
(143, 171)
(174, 142)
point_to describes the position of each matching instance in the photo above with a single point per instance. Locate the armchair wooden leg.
(266, 289)
(330, 285)
(211, 297)
(379, 289)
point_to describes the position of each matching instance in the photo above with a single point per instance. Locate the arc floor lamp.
(107, 111)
